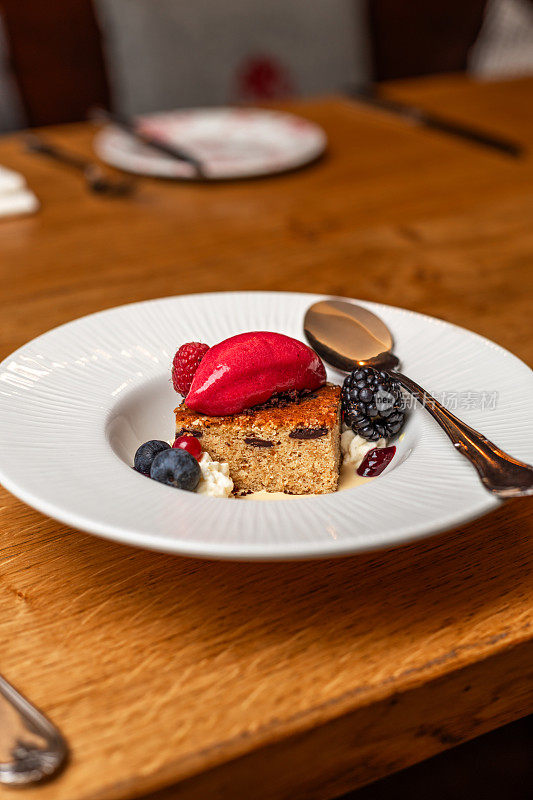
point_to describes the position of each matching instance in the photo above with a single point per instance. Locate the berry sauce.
(375, 461)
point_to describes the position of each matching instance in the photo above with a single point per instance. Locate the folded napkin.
(15, 196)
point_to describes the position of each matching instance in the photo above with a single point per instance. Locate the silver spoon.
(347, 335)
(31, 748)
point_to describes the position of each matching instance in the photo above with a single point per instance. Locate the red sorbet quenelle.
(247, 369)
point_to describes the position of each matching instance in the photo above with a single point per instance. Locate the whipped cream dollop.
(215, 480)
(354, 448)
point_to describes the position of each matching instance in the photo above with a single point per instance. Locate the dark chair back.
(422, 37)
(56, 58)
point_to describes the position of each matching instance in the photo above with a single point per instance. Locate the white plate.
(230, 142)
(76, 402)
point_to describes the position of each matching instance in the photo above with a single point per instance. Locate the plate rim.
(252, 552)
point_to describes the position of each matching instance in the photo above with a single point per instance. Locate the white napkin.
(15, 196)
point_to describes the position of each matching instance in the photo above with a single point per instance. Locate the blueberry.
(176, 467)
(146, 454)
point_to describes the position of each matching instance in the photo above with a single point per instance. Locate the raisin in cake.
(288, 444)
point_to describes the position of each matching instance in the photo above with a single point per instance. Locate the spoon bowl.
(347, 335)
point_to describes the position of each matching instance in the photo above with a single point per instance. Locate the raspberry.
(190, 444)
(185, 365)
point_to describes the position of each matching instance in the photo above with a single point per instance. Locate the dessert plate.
(76, 402)
(230, 143)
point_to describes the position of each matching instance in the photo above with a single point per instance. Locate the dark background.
(57, 59)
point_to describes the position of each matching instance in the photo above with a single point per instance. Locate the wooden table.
(285, 680)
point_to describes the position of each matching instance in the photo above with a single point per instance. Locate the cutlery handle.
(500, 473)
(130, 126)
(31, 748)
(417, 116)
(36, 145)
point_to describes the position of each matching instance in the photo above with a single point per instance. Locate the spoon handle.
(500, 473)
(31, 748)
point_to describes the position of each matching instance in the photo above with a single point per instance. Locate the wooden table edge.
(414, 720)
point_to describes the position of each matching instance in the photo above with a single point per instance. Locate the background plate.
(230, 142)
(76, 402)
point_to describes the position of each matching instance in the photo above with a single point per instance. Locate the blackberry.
(372, 404)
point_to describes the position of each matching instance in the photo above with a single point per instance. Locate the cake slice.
(289, 444)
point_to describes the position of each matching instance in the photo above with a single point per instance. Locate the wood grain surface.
(201, 680)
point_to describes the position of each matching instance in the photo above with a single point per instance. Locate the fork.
(31, 748)
(95, 177)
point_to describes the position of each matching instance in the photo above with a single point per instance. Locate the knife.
(129, 125)
(417, 116)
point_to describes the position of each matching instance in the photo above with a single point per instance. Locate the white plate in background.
(230, 142)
